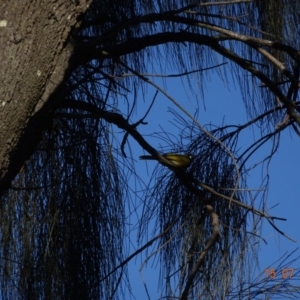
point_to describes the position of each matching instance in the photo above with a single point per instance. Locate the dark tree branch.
(119, 121)
(213, 239)
(138, 44)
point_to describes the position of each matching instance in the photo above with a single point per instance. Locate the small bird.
(179, 160)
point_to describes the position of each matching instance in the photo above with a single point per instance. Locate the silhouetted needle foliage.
(65, 220)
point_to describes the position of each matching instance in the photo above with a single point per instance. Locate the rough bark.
(34, 55)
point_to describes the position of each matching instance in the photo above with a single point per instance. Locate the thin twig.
(192, 118)
(209, 244)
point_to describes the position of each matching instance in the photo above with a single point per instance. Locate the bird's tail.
(147, 157)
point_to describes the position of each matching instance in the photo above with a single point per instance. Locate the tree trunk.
(34, 55)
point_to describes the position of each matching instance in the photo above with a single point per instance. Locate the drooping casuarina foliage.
(73, 76)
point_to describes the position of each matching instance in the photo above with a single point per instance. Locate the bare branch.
(213, 239)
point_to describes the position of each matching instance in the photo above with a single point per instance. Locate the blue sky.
(222, 107)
